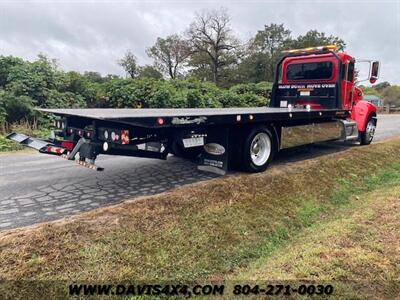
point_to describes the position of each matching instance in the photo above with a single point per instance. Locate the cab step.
(350, 131)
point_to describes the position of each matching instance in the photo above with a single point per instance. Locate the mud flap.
(214, 157)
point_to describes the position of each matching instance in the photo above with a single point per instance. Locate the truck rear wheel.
(259, 148)
(179, 150)
(367, 135)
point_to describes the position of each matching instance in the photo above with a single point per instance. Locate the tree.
(129, 63)
(266, 47)
(391, 95)
(315, 38)
(6, 64)
(16, 108)
(149, 72)
(381, 86)
(211, 34)
(170, 54)
(34, 79)
(94, 77)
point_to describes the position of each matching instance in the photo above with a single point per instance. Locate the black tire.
(367, 136)
(259, 148)
(187, 153)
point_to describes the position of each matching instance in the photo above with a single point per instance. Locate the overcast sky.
(93, 35)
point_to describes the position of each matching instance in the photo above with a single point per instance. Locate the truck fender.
(361, 112)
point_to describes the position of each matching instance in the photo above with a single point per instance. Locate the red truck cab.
(321, 78)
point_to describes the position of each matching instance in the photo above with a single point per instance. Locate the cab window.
(309, 71)
(350, 71)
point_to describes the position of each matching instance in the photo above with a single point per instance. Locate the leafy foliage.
(150, 93)
(170, 54)
(129, 63)
(150, 72)
(391, 95)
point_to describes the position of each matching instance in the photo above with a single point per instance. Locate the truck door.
(348, 84)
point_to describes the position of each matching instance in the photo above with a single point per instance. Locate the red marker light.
(160, 121)
(125, 137)
(67, 145)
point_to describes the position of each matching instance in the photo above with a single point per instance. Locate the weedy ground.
(331, 218)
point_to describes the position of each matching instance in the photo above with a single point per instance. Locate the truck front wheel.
(367, 135)
(258, 151)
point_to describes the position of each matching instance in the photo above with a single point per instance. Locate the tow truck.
(314, 99)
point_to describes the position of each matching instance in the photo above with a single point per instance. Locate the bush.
(25, 85)
(8, 145)
(15, 108)
(261, 89)
(151, 93)
(56, 99)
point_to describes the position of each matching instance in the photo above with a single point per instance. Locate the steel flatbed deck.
(195, 116)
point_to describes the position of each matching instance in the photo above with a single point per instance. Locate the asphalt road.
(35, 187)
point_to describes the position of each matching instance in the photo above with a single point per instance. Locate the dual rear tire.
(253, 149)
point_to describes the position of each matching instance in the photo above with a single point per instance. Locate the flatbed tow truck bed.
(196, 116)
(212, 136)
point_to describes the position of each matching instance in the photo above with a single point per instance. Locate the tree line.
(390, 94)
(41, 83)
(210, 50)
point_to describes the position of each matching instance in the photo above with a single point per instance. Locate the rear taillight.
(125, 137)
(119, 136)
(67, 145)
(55, 150)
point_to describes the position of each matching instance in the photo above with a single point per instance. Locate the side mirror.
(374, 72)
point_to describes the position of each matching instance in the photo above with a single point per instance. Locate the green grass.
(200, 232)
(355, 249)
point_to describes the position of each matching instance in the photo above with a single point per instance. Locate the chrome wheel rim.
(260, 149)
(370, 130)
